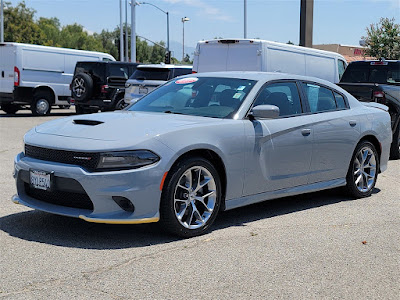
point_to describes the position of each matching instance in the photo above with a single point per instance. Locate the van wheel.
(10, 108)
(41, 104)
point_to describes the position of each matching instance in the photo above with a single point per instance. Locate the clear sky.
(335, 21)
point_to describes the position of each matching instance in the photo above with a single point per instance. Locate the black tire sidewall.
(10, 109)
(41, 96)
(351, 185)
(88, 84)
(394, 149)
(167, 213)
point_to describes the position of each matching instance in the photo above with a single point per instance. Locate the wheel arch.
(215, 160)
(45, 89)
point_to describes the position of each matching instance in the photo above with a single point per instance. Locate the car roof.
(164, 66)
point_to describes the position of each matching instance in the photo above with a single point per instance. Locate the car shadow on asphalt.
(71, 232)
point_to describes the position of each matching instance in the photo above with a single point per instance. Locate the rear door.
(244, 56)
(7, 63)
(212, 57)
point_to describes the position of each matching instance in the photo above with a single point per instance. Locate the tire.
(181, 213)
(120, 104)
(395, 147)
(80, 109)
(10, 109)
(41, 104)
(363, 170)
(82, 87)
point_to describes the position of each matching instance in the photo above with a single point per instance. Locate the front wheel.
(41, 104)
(10, 109)
(191, 197)
(363, 170)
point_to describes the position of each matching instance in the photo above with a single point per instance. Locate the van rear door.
(244, 56)
(212, 57)
(7, 63)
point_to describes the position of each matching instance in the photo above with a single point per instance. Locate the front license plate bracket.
(41, 180)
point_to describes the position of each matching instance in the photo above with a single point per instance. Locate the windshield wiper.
(172, 112)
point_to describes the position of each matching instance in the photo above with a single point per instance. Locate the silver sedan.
(204, 143)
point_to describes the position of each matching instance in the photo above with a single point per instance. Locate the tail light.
(379, 96)
(16, 76)
(103, 88)
(194, 72)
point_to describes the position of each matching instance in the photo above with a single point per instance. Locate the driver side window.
(284, 95)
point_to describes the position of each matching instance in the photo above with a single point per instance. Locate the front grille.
(62, 198)
(85, 159)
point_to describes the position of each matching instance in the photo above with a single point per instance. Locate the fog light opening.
(124, 203)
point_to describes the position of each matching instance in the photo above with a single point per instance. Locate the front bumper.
(96, 190)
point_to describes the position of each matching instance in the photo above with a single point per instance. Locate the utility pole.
(133, 31)
(121, 34)
(306, 23)
(245, 20)
(2, 22)
(126, 32)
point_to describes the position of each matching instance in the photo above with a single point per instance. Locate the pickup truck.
(377, 81)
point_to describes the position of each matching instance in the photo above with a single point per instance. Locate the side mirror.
(265, 112)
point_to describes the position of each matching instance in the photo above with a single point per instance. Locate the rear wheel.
(41, 104)
(395, 147)
(10, 108)
(363, 170)
(120, 104)
(191, 197)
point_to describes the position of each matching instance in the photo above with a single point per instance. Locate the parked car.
(100, 85)
(201, 144)
(377, 81)
(38, 76)
(146, 78)
(267, 56)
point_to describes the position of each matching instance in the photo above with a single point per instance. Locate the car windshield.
(150, 74)
(197, 96)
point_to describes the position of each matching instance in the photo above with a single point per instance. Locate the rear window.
(95, 69)
(151, 74)
(370, 73)
(118, 71)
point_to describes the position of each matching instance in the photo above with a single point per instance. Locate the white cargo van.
(266, 56)
(38, 76)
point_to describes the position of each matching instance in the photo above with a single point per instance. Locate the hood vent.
(87, 122)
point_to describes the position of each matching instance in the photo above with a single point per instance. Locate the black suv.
(100, 85)
(377, 81)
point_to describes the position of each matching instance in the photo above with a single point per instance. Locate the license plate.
(143, 90)
(41, 180)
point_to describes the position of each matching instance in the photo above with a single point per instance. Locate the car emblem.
(82, 157)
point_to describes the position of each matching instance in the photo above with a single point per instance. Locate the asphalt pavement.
(314, 246)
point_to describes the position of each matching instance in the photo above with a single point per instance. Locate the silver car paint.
(251, 177)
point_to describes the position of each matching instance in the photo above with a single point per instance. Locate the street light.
(165, 12)
(185, 19)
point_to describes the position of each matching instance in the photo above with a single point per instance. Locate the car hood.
(120, 125)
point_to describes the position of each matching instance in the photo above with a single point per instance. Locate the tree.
(186, 60)
(19, 25)
(50, 31)
(383, 39)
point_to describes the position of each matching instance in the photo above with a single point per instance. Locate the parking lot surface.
(314, 246)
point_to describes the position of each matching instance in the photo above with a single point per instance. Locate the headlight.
(126, 160)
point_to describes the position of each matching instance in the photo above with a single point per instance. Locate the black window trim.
(299, 91)
(327, 87)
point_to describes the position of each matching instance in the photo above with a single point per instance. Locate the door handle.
(306, 132)
(352, 123)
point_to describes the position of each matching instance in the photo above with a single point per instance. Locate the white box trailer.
(266, 56)
(39, 76)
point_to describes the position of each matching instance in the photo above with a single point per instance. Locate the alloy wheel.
(195, 197)
(364, 169)
(79, 87)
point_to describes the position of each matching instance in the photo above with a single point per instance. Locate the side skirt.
(238, 202)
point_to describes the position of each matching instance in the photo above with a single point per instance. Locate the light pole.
(165, 12)
(185, 19)
(133, 30)
(126, 32)
(2, 22)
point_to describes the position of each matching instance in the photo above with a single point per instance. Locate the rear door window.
(151, 74)
(319, 98)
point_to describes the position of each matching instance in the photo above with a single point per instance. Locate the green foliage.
(21, 27)
(383, 39)
(186, 60)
